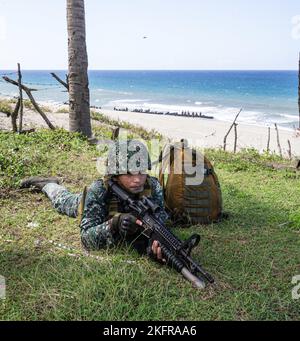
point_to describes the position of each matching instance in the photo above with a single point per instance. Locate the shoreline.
(290, 129)
(201, 132)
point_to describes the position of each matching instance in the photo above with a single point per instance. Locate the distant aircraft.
(145, 37)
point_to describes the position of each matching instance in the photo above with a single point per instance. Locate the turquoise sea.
(267, 97)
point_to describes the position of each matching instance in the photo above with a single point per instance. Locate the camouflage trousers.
(62, 200)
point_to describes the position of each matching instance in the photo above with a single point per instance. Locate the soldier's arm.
(96, 232)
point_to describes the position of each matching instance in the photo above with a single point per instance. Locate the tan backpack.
(189, 204)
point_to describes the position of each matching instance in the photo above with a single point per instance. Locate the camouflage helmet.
(128, 156)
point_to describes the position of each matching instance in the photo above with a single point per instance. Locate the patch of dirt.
(32, 119)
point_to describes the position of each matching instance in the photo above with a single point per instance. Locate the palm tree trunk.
(299, 91)
(79, 96)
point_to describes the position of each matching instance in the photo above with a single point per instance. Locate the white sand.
(32, 119)
(210, 133)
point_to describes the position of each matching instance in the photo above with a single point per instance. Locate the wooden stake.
(34, 103)
(269, 138)
(278, 141)
(290, 150)
(65, 84)
(225, 138)
(27, 131)
(115, 133)
(14, 116)
(235, 137)
(20, 97)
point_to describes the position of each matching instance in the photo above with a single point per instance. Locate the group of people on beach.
(183, 113)
(194, 114)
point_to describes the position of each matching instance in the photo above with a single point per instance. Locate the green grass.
(253, 255)
(62, 111)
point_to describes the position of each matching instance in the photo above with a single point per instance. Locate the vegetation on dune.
(138, 130)
(62, 111)
(6, 106)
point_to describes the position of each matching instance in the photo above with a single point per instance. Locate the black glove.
(125, 224)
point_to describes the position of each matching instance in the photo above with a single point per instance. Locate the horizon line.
(156, 69)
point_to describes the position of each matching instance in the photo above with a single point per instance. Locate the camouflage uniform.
(94, 227)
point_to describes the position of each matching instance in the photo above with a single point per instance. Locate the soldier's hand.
(127, 224)
(156, 250)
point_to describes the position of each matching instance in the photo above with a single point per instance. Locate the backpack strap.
(163, 161)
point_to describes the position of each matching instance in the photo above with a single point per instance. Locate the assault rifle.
(176, 252)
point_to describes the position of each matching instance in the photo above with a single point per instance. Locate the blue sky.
(182, 34)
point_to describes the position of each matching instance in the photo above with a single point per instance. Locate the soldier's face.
(133, 183)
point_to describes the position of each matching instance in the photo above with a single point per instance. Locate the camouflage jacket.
(95, 228)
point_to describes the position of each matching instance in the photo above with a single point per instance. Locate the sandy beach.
(207, 133)
(200, 132)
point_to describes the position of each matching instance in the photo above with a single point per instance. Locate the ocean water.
(267, 97)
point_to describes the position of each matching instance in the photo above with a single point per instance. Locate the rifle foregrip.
(172, 260)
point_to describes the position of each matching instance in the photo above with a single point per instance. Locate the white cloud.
(3, 28)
